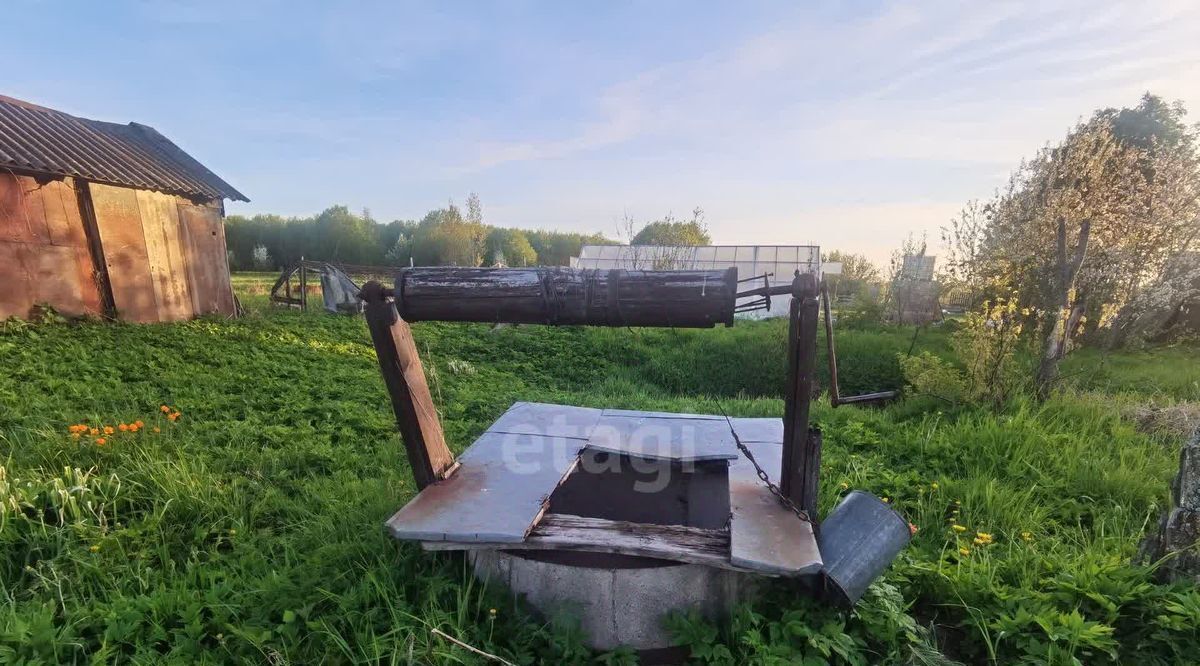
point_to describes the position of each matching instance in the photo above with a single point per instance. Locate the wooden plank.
(15, 297)
(662, 415)
(683, 439)
(498, 493)
(98, 273)
(206, 259)
(54, 278)
(801, 359)
(765, 536)
(120, 225)
(404, 377)
(533, 418)
(160, 225)
(22, 216)
(63, 221)
(758, 430)
(693, 545)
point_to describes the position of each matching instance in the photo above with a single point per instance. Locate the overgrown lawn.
(250, 529)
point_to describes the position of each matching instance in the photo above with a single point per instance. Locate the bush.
(864, 312)
(926, 374)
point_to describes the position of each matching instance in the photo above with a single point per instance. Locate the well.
(622, 599)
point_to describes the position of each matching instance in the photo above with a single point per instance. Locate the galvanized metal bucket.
(858, 540)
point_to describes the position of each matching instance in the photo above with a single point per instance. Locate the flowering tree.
(1085, 227)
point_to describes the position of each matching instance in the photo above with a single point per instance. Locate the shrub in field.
(989, 346)
(926, 374)
(865, 312)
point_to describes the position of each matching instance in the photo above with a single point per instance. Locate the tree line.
(452, 235)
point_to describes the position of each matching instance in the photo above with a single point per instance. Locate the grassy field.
(249, 528)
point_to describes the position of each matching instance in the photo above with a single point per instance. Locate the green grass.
(250, 530)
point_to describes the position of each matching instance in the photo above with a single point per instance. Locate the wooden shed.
(105, 219)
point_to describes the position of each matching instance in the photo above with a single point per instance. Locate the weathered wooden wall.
(164, 255)
(207, 260)
(44, 254)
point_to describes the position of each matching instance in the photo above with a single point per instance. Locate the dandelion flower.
(964, 551)
(94, 548)
(958, 528)
(845, 486)
(885, 500)
(934, 485)
(100, 441)
(157, 429)
(74, 435)
(1026, 536)
(232, 532)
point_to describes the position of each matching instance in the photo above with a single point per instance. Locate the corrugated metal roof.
(34, 138)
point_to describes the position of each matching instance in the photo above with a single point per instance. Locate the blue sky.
(842, 124)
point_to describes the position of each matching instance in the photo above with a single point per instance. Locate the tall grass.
(250, 529)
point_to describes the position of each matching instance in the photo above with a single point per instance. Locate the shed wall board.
(164, 252)
(43, 249)
(119, 221)
(206, 257)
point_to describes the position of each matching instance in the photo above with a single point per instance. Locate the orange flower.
(100, 441)
(108, 430)
(133, 427)
(123, 428)
(139, 423)
(94, 432)
(164, 409)
(174, 416)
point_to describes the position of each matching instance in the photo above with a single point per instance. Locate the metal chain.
(762, 474)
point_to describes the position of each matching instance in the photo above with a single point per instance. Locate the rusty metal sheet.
(120, 224)
(206, 259)
(498, 493)
(164, 253)
(763, 535)
(535, 418)
(654, 435)
(759, 430)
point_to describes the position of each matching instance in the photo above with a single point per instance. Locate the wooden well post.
(801, 444)
(404, 376)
